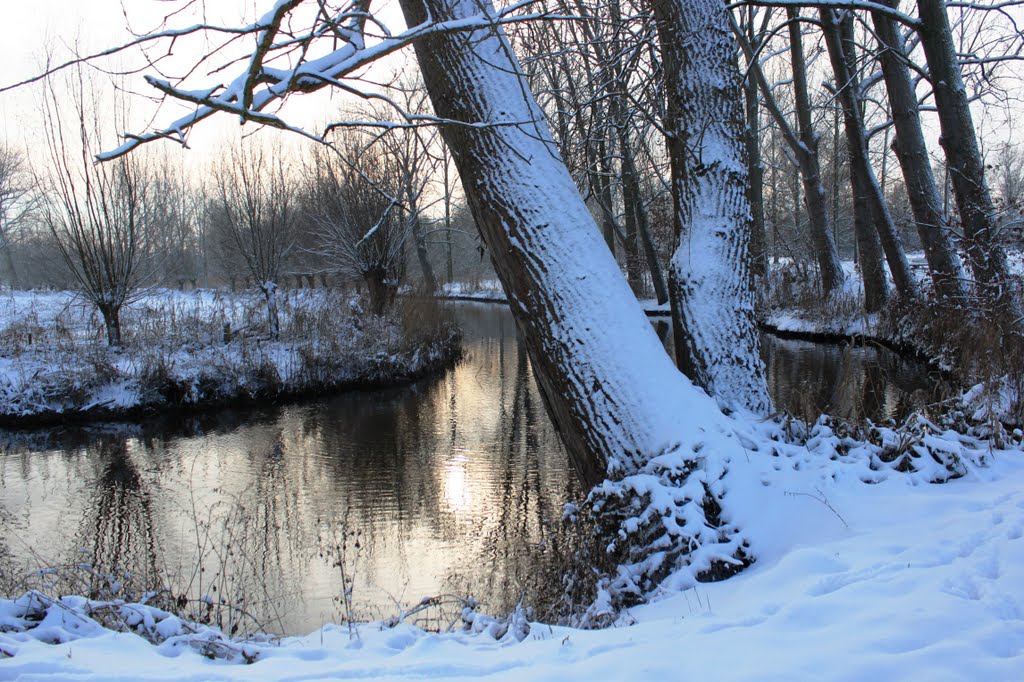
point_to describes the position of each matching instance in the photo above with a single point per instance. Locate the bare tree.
(967, 170)
(912, 153)
(803, 144)
(253, 213)
(867, 212)
(96, 212)
(351, 199)
(17, 201)
(411, 164)
(175, 217)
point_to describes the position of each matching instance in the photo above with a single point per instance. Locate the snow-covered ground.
(195, 347)
(486, 290)
(863, 572)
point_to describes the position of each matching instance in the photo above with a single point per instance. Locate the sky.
(97, 24)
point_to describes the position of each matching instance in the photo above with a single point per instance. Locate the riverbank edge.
(770, 325)
(442, 354)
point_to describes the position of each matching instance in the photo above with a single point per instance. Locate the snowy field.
(863, 572)
(195, 347)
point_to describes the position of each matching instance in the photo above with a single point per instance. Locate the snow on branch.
(260, 84)
(901, 17)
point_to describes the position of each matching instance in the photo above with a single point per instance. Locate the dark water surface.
(454, 485)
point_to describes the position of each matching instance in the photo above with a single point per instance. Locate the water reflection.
(846, 380)
(451, 485)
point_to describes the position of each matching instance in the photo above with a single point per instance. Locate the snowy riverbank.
(190, 349)
(863, 571)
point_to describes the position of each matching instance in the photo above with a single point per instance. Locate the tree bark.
(842, 50)
(715, 334)
(912, 152)
(755, 185)
(429, 280)
(610, 388)
(973, 199)
(634, 205)
(810, 170)
(601, 184)
(112, 324)
(866, 213)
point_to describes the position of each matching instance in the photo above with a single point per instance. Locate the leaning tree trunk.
(810, 170)
(612, 392)
(925, 203)
(851, 98)
(715, 333)
(841, 50)
(973, 199)
(865, 214)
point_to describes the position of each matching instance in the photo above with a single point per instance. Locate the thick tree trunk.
(842, 51)
(112, 323)
(973, 199)
(865, 214)
(715, 334)
(609, 386)
(810, 170)
(925, 203)
(380, 293)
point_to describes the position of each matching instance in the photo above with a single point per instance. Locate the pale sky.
(98, 24)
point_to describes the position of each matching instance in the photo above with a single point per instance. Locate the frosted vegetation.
(204, 347)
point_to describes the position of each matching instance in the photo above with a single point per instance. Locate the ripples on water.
(454, 485)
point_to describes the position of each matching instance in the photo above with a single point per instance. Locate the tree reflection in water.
(256, 519)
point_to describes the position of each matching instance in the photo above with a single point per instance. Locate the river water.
(355, 506)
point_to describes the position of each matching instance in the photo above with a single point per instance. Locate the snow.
(895, 579)
(791, 321)
(53, 358)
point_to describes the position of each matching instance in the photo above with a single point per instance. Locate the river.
(284, 518)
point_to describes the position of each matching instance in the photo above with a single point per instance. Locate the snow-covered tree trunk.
(715, 333)
(622, 409)
(912, 152)
(973, 199)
